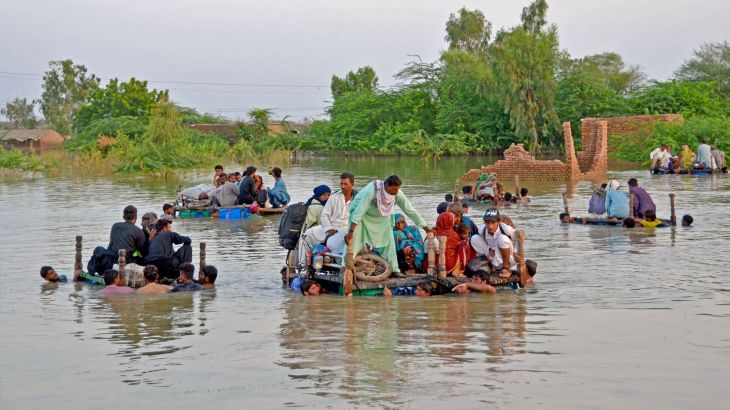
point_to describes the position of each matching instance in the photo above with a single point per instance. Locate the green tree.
(609, 68)
(524, 61)
(66, 87)
(364, 79)
(20, 113)
(468, 31)
(130, 99)
(165, 125)
(260, 118)
(683, 97)
(710, 63)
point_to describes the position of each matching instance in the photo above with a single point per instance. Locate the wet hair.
(210, 272)
(249, 170)
(110, 275)
(161, 223)
(466, 189)
(482, 274)
(276, 171)
(150, 273)
(425, 285)
(348, 175)
(449, 198)
(219, 167)
(130, 212)
(523, 192)
(633, 182)
(441, 208)
(45, 270)
(628, 223)
(650, 215)
(188, 269)
(166, 207)
(563, 215)
(531, 267)
(306, 285)
(687, 220)
(456, 209)
(507, 197)
(393, 180)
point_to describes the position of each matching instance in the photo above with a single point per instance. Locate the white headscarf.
(384, 200)
(613, 185)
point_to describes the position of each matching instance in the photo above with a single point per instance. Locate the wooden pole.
(631, 205)
(348, 278)
(77, 260)
(517, 186)
(202, 256)
(442, 257)
(431, 254)
(565, 203)
(673, 215)
(122, 264)
(522, 268)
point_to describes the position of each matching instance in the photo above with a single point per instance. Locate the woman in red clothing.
(445, 227)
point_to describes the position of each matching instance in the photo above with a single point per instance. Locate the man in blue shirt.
(185, 280)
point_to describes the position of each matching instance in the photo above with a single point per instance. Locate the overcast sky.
(290, 49)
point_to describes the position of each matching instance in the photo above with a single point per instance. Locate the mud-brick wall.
(621, 125)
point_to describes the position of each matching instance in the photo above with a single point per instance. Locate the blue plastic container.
(229, 213)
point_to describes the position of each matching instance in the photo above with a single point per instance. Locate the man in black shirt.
(128, 236)
(162, 254)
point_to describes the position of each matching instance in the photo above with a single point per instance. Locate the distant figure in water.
(524, 197)
(687, 220)
(185, 280)
(114, 284)
(628, 223)
(152, 287)
(207, 276)
(423, 289)
(449, 198)
(50, 274)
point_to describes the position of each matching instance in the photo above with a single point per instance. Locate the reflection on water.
(617, 317)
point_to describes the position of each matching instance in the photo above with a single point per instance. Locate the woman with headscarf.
(408, 245)
(597, 203)
(445, 228)
(617, 202)
(686, 157)
(315, 204)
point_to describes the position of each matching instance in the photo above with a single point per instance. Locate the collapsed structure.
(590, 163)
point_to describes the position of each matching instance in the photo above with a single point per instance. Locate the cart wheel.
(372, 268)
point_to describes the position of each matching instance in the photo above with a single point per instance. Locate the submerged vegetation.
(485, 91)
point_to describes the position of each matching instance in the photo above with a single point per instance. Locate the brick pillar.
(600, 157)
(570, 159)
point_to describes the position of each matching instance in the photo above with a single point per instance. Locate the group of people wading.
(610, 204)
(367, 219)
(149, 246)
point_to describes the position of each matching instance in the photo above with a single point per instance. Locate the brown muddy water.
(616, 318)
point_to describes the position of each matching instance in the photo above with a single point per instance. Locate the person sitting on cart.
(162, 254)
(278, 195)
(495, 242)
(335, 215)
(371, 218)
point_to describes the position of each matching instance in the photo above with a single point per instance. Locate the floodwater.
(617, 318)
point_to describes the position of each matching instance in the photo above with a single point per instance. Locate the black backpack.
(291, 224)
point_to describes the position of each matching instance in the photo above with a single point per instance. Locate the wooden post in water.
(442, 257)
(631, 205)
(522, 268)
(565, 203)
(673, 215)
(122, 264)
(517, 186)
(431, 254)
(77, 259)
(348, 275)
(202, 256)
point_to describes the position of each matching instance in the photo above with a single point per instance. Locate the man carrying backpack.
(494, 241)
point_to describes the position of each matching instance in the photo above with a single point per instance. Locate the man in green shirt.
(371, 218)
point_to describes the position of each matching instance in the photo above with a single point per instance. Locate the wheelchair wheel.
(372, 268)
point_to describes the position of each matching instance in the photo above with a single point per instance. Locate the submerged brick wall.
(590, 163)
